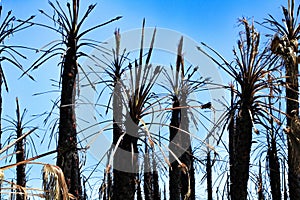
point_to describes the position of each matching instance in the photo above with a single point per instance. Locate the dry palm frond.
(286, 37)
(1, 175)
(54, 183)
(249, 69)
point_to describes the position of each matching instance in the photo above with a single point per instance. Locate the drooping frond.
(54, 183)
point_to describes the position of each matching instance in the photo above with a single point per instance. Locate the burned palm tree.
(182, 84)
(114, 69)
(285, 44)
(136, 101)
(115, 73)
(20, 149)
(23, 145)
(69, 27)
(20, 153)
(249, 69)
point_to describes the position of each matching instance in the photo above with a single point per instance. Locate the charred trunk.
(156, 193)
(118, 180)
(68, 158)
(274, 170)
(187, 156)
(292, 109)
(109, 186)
(20, 156)
(209, 176)
(148, 190)
(126, 163)
(174, 171)
(260, 184)
(272, 155)
(241, 147)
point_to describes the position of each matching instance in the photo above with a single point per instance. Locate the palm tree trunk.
(20, 156)
(209, 176)
(67, 158)
(156, 193)
(147, 175)
(126, 165)
(272, 156)
(293, 105)
(118, 180)
(231, 135)
(242, 140)
(260, 184)
(117, 108)
(174, 171)
(109, 186)
(187, 157)
(274, 171)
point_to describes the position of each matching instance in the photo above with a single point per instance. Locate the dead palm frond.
(54, 183)
(17, 189)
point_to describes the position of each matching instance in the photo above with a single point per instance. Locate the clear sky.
(213, 22)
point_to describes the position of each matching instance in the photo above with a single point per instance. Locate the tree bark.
(148, 190)
(260, 184)
(68, 158)
(187, 156)
(156, 193)
(174, 171)
(274, 169)
(242, 139)
(293, 143)
(118, 180)
(126, 163)
(209, 176)
(272, 155)
(20, 156)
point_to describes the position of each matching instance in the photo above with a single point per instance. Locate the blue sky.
(213, 22)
